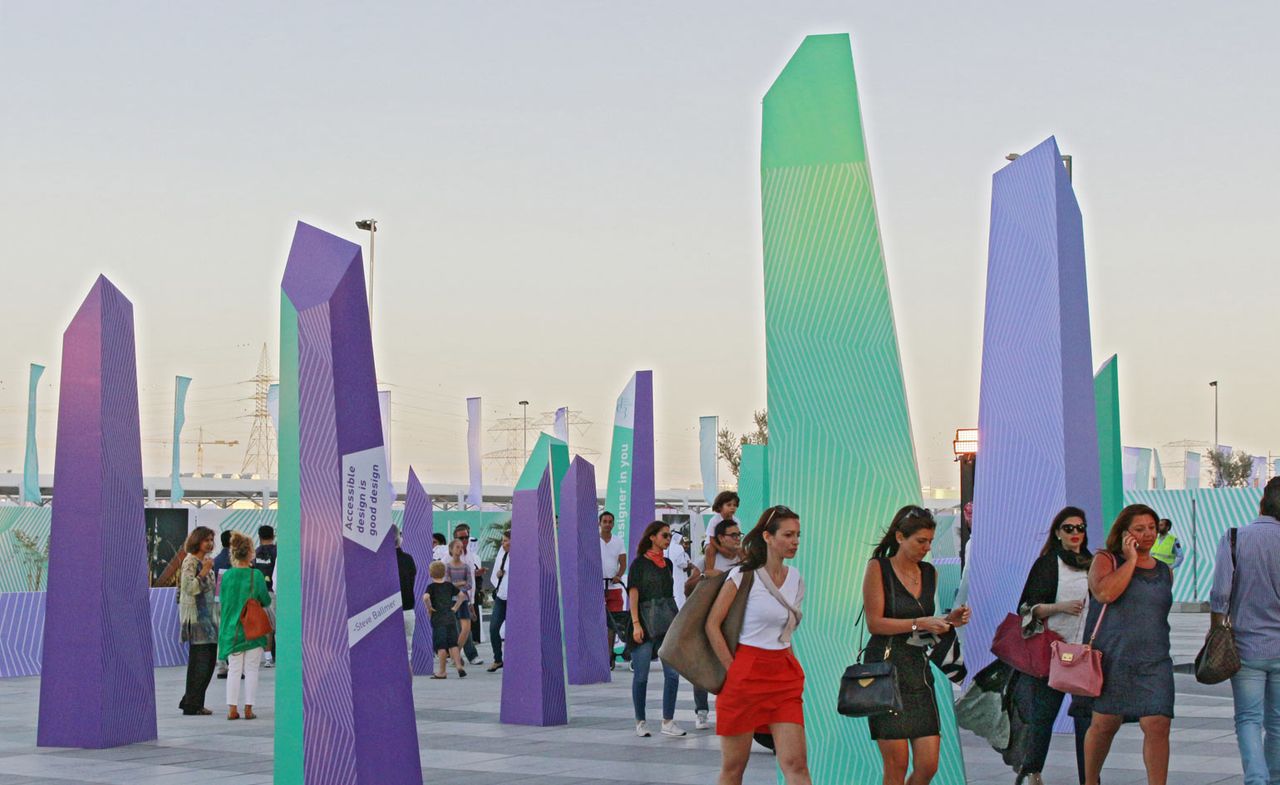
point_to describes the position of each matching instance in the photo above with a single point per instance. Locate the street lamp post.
(965, 447)
(369, 225)
(525, 426)
(1214, 385)
(1066, 161)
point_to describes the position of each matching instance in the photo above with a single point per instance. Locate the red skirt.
(763, 687)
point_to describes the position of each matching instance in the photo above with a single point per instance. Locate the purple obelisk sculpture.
(582, 577)
(1037, 426)
(356, 720)
(416, 541)
(643, 501)
(97, 687)
(533, 689)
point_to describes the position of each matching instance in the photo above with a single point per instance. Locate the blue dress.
(1137, 671)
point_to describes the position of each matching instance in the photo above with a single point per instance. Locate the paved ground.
(464, 744)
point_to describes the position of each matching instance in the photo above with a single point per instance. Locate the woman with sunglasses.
(1054, 598)
(764, 681)
(651, 589)
(897, 595)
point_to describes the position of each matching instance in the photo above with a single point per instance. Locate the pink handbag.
(1077, 667)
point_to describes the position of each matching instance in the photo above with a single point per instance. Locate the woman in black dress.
(897, 594)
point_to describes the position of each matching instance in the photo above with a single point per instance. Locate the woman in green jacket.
(240, 584)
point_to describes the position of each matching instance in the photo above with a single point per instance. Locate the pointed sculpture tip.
(811, 114)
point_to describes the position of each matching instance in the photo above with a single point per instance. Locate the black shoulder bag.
(869, 689)
(1219, 659)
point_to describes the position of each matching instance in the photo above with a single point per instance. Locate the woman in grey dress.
(1137, 671)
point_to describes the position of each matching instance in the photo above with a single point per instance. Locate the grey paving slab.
(463, 742)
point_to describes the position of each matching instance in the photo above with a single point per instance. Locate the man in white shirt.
(499, 613)
(613, 563)
(470, 555)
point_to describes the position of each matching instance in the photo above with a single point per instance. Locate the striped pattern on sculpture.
(329, 735)
(582, 577)
(840, 447)
(1036, 415)
(533, 688)
(97, 621)
(416, 531)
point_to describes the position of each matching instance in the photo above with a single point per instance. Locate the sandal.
(434, 676)
(205, 711)
(494, 667)
(249, 715)
(233, 713)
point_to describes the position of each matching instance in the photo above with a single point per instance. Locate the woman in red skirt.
(762, 690)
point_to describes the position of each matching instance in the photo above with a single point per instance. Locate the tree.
(730, 445)
(1230, 469)
(36, 557)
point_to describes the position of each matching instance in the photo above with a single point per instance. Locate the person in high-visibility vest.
(1167, 548)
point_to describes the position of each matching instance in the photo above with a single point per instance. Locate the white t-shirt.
(609, 553)
(503, 562)
(1072, 585)
(764, 618)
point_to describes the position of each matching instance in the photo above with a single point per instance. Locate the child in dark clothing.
(444, 599)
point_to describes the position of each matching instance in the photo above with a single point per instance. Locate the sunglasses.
(1071, 528)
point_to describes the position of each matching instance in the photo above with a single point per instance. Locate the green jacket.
(239, 585)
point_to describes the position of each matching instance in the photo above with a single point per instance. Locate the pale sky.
(568, 192)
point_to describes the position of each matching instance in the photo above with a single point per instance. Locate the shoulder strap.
(1098, 624)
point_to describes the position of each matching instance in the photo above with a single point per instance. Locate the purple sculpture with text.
(582, 577)
(416, 541)
(97, 687)
(356, 691)
(533, 689)
(1036, 422)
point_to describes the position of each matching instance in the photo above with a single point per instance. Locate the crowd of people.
(213, 592)
(1117, 599)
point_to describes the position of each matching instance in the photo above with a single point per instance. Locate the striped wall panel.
(21, 633)
(1215, 511)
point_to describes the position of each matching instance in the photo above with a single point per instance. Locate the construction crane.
(200, 443)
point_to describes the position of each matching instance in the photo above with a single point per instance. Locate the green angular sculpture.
(840, 448)
(1106, 397)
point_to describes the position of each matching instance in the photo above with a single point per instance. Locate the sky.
(569, 191)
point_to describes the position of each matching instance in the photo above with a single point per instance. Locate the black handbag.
(869, 689)
(656, 616)
(1219, 659)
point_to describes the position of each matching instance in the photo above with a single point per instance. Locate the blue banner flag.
(31, 465)
(708, 430)
(180, 385)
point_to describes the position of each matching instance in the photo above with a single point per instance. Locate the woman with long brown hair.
(764, 681)
(651, 590)
(897, 596)
(195, 613)
(1136, 591)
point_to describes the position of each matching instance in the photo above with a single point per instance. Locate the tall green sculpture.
(840, 448)
(1106, 397)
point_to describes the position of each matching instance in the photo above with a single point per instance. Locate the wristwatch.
(914, 627)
